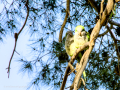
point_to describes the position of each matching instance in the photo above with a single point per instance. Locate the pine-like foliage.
(49, 59)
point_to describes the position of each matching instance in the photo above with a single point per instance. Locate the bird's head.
(80, 30)
(69, 33)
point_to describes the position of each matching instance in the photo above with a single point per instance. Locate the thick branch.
(71, 62)
(16, 37)
(65, 19)
(93, 37)
(117, 0)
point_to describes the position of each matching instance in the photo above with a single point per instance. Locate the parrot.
(71, 47)
(80, 38)
(69, 44)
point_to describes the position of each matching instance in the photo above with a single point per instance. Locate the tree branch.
(94, 5)
(71, 62)
(116, 47)
(65, 19)
(104, 33)
(93, 37)
(117, 1)
(114, 23)
(16, 38)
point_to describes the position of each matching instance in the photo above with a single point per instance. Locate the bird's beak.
(70, 34)
(80, 33)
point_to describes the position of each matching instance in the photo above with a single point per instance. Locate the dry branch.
(71, 62)
(94, 5)
(116, 46)
(16, 37)
(114, 23)
(65, 19)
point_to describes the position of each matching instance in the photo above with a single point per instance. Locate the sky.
(16, 81)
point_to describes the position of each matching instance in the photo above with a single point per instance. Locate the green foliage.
(2, 33)
(118, 31)
(11, 24)
(26, 67)
(59, 50)
(50, 59)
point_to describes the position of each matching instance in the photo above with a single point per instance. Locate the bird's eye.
(83, 30)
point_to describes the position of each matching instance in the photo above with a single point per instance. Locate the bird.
(80, 38)
(71, 44)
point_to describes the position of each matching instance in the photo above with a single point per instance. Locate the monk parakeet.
(69, 43)
(70, 47)
(80, 38)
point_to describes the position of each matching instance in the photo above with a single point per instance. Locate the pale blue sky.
(16, 81)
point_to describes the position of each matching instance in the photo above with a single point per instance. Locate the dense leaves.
(50, 58)
(118, 31)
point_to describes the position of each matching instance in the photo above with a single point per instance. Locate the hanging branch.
(16, 37)
(65, 19)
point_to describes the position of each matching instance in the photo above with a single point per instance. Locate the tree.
(46, 20)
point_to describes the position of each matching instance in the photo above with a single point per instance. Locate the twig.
(65, 19)
(104, 33)
(84, 83)
(114, 23)
(16, 38)
(116, 47)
